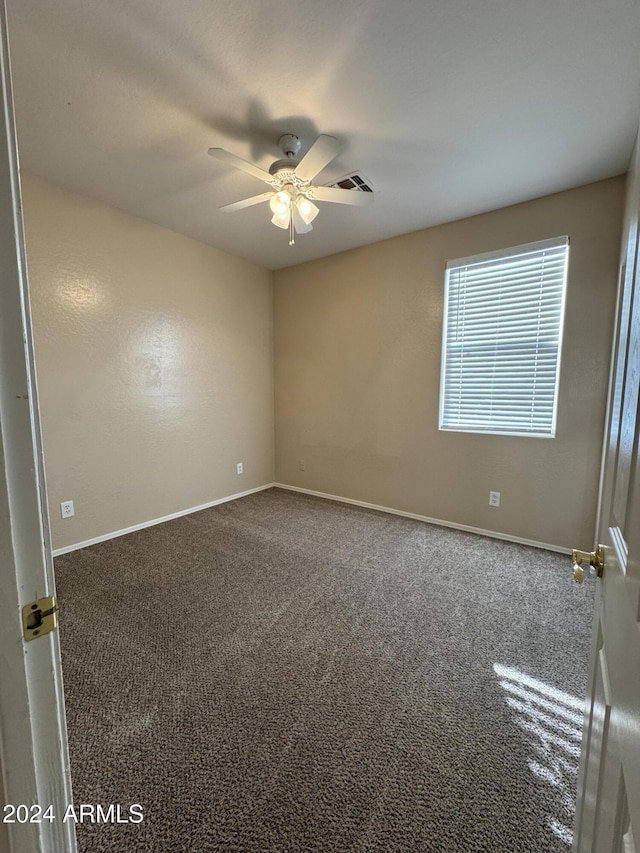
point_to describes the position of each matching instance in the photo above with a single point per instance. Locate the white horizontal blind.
(501, 340)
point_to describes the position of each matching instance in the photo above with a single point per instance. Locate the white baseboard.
(491, 533)
(68, 548)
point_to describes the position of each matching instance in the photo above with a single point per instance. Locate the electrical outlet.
(494, 498)
(66, 509)
(302, 465)
(240, 468)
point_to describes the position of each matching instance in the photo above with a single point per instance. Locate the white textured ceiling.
(450, 107)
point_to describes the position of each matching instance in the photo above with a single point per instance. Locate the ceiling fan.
(292, 195)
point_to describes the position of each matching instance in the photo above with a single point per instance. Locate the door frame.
(33, 741)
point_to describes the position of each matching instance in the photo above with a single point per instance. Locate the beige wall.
(357, 373)
(154, 356)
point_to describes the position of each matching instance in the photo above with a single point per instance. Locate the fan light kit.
(292, 194)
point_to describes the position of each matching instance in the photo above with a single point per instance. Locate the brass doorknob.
(594, 558)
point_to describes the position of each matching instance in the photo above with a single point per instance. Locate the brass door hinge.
(39, 617)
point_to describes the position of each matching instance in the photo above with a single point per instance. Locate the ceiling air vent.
(354, 181)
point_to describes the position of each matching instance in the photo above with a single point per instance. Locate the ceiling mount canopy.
(292, 194)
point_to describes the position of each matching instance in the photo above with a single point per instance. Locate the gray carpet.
(283, 673)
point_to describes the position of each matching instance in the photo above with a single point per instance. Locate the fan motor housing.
(289, 163)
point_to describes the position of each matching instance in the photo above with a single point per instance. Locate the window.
(501, 341)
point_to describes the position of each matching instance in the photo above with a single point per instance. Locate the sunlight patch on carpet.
(553, 720)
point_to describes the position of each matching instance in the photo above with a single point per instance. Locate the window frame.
(488, 257)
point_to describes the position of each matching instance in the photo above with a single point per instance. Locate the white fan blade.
(247, 202)
(355, 197)
(323, 150)
(239, 163)
(298, 222)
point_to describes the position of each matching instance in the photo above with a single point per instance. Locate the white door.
(33, 744)
(608, 813)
